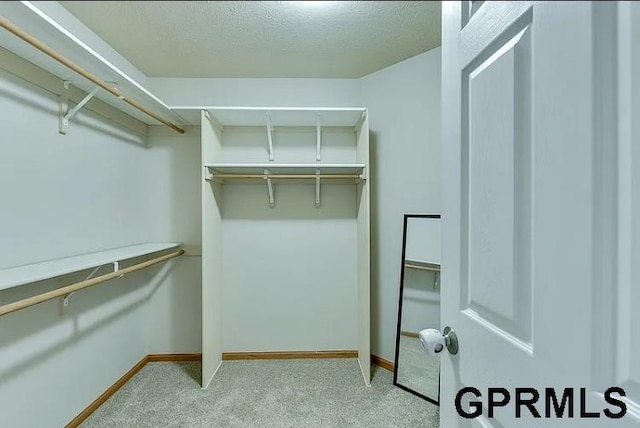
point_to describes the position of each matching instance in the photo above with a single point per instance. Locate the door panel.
(496, 156)
(541, 212)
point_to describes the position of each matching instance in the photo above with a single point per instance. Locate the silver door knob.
(434, 342)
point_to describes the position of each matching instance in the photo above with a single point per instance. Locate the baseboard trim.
(88, 411)
(409, 334)
(152, 358)
(155, 358)
(381, 362)
(107, 394)
(287, 355)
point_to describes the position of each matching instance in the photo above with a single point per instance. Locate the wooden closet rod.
(288, 176)
(19, 32)
(60, 292)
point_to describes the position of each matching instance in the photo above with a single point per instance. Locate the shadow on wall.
(250, 202)
(376, 303)
(174, 318)
(93, 307)
(47, 103)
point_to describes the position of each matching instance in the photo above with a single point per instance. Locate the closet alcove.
(285, 224)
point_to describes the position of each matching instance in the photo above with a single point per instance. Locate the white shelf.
(21, 275)
(40, 20)
(280, 116)
(422, 265)
(274, 168)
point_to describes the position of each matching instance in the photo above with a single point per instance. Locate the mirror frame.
(399, 325)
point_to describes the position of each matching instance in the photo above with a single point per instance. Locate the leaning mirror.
(419, 306)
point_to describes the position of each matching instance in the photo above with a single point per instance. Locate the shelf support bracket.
(64, 303)
(318, 136)
(116, 268)
(65, 114)
(272, 202)
(269, 136)
(317, 188)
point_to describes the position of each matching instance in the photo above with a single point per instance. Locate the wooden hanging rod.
(19, 32)
(289, 176)
(63, 291)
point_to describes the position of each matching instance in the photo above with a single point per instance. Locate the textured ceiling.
(263, 38)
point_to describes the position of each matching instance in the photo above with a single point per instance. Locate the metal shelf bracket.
(269, 136)
(318, 136)
(64, 114)
(64, 303)
(317, 188)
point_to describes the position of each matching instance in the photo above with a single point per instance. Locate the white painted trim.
(206, 386)
(367, 382)
(526, 347)
(84, 46)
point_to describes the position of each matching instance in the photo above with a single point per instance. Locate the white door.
(541, 215)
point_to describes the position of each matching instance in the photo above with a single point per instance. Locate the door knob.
(434, 342)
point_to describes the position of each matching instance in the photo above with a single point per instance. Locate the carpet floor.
(417, 370)
(263, 393)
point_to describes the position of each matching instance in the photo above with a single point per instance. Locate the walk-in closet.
(202, 209)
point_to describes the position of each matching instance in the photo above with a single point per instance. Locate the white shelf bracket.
(65, 301)
(63, 108)
(116, 268)
(213, 121)
(272, 201)
(64, 304)
(64, 114)
(269, 136)
(317, 188)
(318, 136)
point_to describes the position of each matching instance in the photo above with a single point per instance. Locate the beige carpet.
(417, 370)
(267, 393)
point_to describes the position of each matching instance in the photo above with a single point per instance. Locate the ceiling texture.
(322, 39)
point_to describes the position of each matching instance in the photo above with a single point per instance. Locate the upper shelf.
(280, 116)
(39, 21)
(21, 275)
(274, 168)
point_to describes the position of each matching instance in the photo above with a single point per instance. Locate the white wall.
(99, 188)
(404, 111)
(404, 114)
(421, 301)
(290, 272)
(421, 296)
(172, 199)
(61, 196)
(96, 188)
(258, 92)
(423, 237)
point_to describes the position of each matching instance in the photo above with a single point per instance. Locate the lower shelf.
(26, 274)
